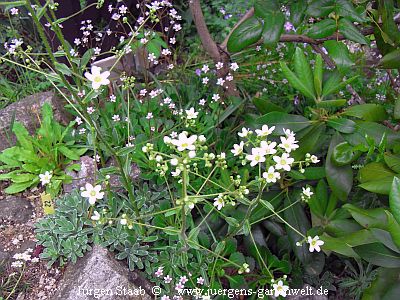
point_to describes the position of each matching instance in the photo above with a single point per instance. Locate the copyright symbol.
(156, 290)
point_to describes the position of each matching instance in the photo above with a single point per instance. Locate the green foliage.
(51, 149)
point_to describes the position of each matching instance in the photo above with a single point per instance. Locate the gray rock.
(28, 111)
(309, 293)
(97, 272)
(84, 175)
(116, 180)
(16, 209)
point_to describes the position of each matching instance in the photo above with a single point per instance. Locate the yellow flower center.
(93, 193)
(185, 144)
(97, 79)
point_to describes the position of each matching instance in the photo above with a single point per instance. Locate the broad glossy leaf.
(394, 199)
(303, 70)
(321, 29)
(284, 121)
(246, 34)
(337, 245)
(342, 125)
(318, 74)
(340, 54)
(296, 82)
(347, 28)
(379, 255)
(346, 9)
(344, 154)
(368, 112)
(273, 27)
(368, 218)
(340, 178)
(18, 187)
(334, 84)
(320, 8)
(391, 60)
(393, 161)
(394, 228)
(374, 171)
(380, 186)
(265, 106)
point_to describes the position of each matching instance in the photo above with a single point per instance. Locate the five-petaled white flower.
(93, 193)
(45, 178)
(245, 132)
(288, 133)
(271, 176)
(191, 113)
(307, 192)
(264, 131)
(315, 243)
(219, 202)
(257, 156)
(283, 162)
(280, 289)
(288, 143)
(268, 147)
(238, 149)
(184, 142)
(97, 78)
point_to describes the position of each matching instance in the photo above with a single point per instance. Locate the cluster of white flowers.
(13, 45)
(263, 150)
(179, 284)
(22, 258)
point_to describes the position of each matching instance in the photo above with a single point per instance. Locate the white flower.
(307, 192)
(14, 11)
(314, 159)
(192, 154)
(264, 131)
(123, 221)
(269, 148)
(315, 243)
(288, 133)
(257, 156)
(280, 289)
(97, 78)
(283, 162)
(245, 132)
(288, 143)
(184, 142)
(220, 81)
(45, 178)
(205, 80)
(234, 66)
(93, 193)
(238, 149)
(216, 97)
(96, 216)
(219, 65)
(174, 162)
(116, 118)
(219, 202)
(205, 68)
(176, 173)
(271, 176)
(191, 113)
